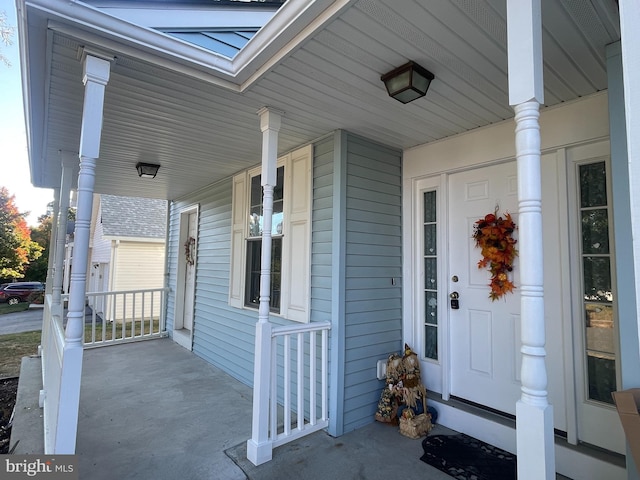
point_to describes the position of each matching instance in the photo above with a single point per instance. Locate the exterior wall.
(373, 272)
(136, 266)
(101, 247)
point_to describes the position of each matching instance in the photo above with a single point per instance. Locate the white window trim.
(296, 238)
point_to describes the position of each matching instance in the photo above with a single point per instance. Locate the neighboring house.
(375, 202)
(127, 248)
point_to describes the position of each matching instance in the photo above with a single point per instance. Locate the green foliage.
(16, 247)
(37, 270)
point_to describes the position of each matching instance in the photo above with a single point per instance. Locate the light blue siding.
(222, 335)
(373, 257)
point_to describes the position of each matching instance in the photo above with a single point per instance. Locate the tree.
(37, 270)
(6, 32)
(16, 247)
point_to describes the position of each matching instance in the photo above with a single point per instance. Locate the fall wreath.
(189, 247)
(494, 235)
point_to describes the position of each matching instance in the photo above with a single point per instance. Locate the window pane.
(256, 191)
(255, 221)
(595, 231)
(430, 207)
(599, 323)
(254, 255)
(278, 191)
(430, 239)
(252, 292)
(602, 378)
(431, 308)
(597, 279)
(593, 185)
(277, 218)
(430, 273)
(431, 342)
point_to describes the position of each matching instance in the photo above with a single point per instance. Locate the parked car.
(13, 293)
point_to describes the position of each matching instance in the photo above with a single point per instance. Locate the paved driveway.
(26, 321)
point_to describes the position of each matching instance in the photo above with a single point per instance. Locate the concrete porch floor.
(153, 410)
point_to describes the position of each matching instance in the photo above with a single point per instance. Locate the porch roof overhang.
(194, 112)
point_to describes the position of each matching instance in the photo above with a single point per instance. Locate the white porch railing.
(297, 385)
(125, 316)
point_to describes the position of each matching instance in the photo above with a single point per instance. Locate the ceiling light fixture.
(408, 82)
(147, 170)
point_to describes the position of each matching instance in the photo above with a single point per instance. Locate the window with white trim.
(291, 237)
(254, 242)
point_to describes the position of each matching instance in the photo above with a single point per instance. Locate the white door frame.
(181, 335)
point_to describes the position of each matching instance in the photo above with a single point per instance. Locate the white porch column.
(96, 76)
(630, 40)
(629, 15)
(69, 161)
(534, 415)
(259, 447)
(52, 240)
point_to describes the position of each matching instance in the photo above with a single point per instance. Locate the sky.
(14, 163)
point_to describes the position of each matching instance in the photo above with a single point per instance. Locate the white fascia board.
(192, 18)
(83, 21)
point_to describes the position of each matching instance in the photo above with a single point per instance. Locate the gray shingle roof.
(133, 217)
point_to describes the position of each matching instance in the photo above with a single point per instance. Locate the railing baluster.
(287, 384)
(324, 366)
(312, 378)
(300, 367)
(273, 404)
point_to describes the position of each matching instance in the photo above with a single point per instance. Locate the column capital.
(270, 118)
(96, 66)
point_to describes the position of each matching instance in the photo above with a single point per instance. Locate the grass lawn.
(13, 347)
(20, 307)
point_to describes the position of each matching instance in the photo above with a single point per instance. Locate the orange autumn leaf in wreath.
(493, 234)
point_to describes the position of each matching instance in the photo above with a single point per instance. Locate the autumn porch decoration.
(494, 235)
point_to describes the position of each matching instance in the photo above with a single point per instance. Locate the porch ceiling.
(201, 132)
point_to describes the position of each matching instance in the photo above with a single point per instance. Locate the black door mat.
(466, 458)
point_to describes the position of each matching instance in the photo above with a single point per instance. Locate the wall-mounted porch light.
(408, 82)
(147, 170)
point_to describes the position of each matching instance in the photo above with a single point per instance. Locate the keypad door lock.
(455, 303)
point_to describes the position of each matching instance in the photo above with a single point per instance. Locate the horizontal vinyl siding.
(373, 306)
(138, 266)
(100, 248)
(322, 221)
(222, 335)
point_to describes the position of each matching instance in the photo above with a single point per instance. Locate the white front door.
(485, 334)
(190, 273)
(186, 279)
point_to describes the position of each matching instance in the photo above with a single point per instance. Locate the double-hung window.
(254, 242)
(290, 234)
